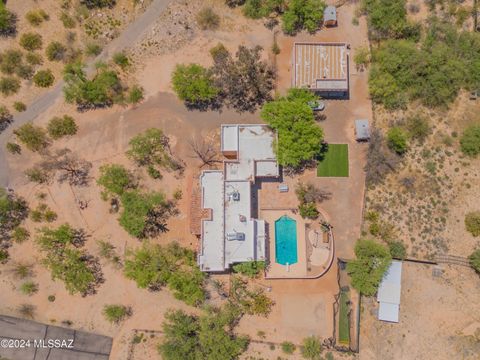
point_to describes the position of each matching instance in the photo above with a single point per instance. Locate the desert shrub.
(234, 3)
(13, 148)
(4, 256)
(8, 21)
(9, 85)
(5, 117)
(32, 136)
(288, 347)
(207, 19)
(366, 271)
(115, 179)
(194, 84)
(36, 17)
(55, 51)
(361, 58)
(22, 270)
(37, 175)
(299, 137)
(93, 49)
(121, 60)
(67, 20)
(418, 127)
(51, 298)
(397, 250)
(13, 210)
(311, 348)
(79, 271)
(135, 94)
(34, 59)
(250, 268)
(29, 288)
(19, 106)
(91, 4)
(103, 89)
(44, 78)
(302, 14)
(27, 310)
(245, 81)
(397, 140)
(59, 127)
(205, 337)
(380, 159)
(474, 259)
(10, 59)
(116, 313)
(20, 235)
(43, 213)
(308, 210)
(472, 223)
(24, 71)
(470, 141)
(31, 41)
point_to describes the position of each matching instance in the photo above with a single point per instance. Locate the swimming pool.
(286, 240)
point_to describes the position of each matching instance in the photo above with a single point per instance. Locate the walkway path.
(128, 37)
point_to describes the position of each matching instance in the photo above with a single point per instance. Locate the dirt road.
(128, 37)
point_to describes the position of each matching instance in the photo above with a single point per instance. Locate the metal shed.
(330, 16)
(362, 130)
(389, 293)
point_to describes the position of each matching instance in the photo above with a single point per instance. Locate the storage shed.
(362, 130)
(330, 16)
(389, 293)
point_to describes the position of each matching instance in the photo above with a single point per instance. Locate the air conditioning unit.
(231, 236)
(236, 196)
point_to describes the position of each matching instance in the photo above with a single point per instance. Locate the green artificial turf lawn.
(343, 323)
(334, 162)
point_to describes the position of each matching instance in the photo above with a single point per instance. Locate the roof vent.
(236, 196)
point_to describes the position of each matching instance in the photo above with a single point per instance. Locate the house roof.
(86, 346)
(320, 66)
(228, 195)
(389, 293)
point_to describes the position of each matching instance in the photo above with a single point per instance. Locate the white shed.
(389, 293)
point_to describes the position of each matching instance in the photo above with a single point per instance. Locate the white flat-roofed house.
(322, 68)
(230, 235)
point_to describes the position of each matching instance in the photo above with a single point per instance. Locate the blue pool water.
(286, 240)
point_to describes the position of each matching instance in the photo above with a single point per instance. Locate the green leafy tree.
(470, 141)
(187, 285)
(32, 136)
(59, 127)
(44, 78)
(31, 41)
(367, 270)
(397, 140)
(210, 336)
(116, 179)
(303, 14)
(194, 84)
(299, 137)
(8, 21)
(103, 89)
(311, 348)
(472, 223)
(474, 259)
(116, 313)
(137, 207)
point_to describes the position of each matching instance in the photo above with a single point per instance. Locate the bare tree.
(70, 168)
(380, 160)
(309, 193)
(204, 150)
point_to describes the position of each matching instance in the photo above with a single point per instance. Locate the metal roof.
(389, 293)
(330, 13)
(362, 129)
